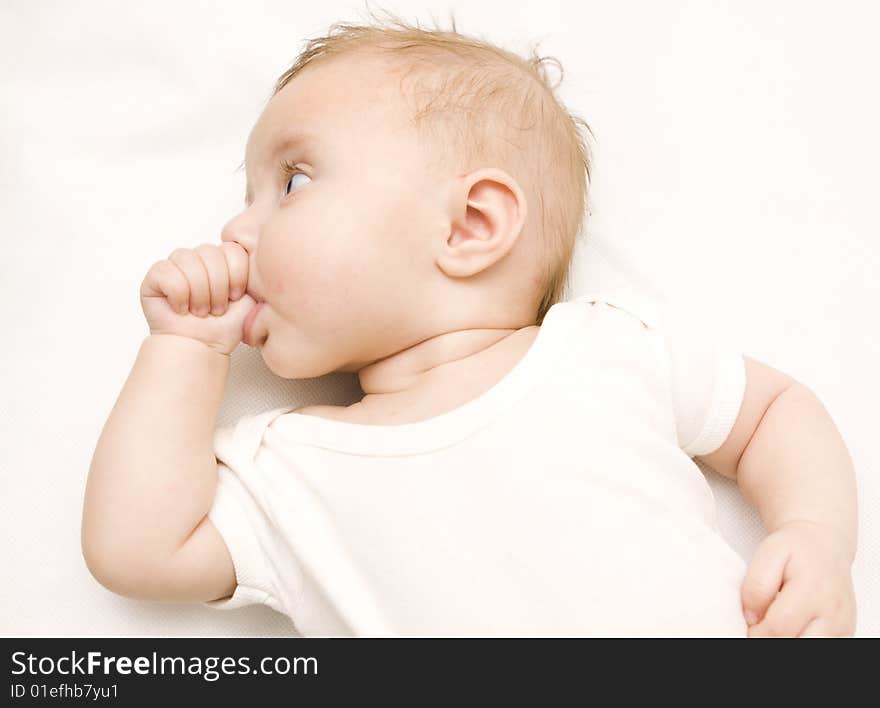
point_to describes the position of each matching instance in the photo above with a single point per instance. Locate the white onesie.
(563, 501)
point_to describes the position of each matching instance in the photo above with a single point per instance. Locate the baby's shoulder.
(323, 411)
(628, 305)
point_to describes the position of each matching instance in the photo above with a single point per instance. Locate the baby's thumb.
(237, 312)
(763, 579)
(239, 308)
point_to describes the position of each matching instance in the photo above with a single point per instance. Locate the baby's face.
(341, 251)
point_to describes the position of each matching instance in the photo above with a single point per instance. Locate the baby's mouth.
(247, 327)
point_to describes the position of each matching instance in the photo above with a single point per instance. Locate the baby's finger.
(788, 614)
(237, 264)
(763, 579)
(218, 276)
(197, 277)
(166, 280)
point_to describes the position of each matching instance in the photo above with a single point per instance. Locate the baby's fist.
(799, 584)
(199, 293)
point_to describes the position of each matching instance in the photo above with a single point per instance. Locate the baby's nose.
(240, 231)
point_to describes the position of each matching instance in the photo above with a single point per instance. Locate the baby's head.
(436, 184)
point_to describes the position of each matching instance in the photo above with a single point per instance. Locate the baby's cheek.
(279, 288)
(309, 273)
(282, 268)
(297, 286)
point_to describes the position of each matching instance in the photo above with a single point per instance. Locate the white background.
(735, 173)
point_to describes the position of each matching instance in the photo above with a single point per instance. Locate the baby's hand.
(199, 281)
(816, 598)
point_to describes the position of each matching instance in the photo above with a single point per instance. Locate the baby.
(518, 465)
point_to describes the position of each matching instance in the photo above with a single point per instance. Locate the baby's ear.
(488, 213)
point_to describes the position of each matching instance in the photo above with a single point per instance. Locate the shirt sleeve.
(708, 382)
(237, 516)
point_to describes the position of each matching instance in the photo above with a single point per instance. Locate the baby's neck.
(440, 376)
(428, 361)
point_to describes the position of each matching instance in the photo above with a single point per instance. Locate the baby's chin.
(353, 368)
(302, 367)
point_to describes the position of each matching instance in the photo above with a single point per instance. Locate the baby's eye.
(293, 177)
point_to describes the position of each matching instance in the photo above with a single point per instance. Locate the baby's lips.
(248, 325)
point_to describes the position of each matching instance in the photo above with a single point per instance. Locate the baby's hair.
(475, 101)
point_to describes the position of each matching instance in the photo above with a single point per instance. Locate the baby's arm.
(790, 461)
(153, 477)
